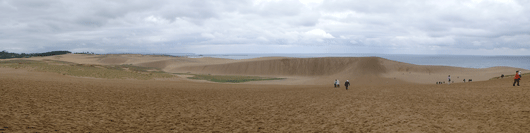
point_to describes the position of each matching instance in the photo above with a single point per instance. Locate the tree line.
(6, 55)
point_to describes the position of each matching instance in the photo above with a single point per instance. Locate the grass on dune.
(228, 78)
(85, 70)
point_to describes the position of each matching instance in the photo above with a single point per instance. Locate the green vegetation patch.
(84, 70)
(141, 69)
(230, 79)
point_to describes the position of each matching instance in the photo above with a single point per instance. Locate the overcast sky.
(477, 27)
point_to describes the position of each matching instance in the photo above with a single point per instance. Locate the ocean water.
(469, 61)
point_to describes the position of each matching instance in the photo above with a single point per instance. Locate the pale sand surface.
(45, 102)
(305, 102)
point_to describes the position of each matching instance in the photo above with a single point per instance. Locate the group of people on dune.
(517, 78)
(449, 79)
(337, 84)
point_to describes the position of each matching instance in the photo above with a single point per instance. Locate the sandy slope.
(300, 71)
(357, 69)
(432, 74)
(308, 71)
(48, 102)
(305, 102)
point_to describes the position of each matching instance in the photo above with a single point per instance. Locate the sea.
(468, 61)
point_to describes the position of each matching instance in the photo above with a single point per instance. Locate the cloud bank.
(478, 27)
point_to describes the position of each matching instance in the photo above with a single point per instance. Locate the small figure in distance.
(502, 76)
(338, 84)
(347, 83)
(449, 78)
(469, 80)
(335, 83)
(464, 80)
(516, 78)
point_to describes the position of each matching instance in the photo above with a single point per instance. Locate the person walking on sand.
(346, 84)
(338, 83)
(449, 78)
(335, 83)
(516, 78)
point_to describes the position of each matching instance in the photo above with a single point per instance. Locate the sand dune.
(324, 70)
(298, 70)
(113, 60)
(385, 97)
(48, 102)
(297, 67)
(282, 67)
(156, 64)
(316, 71)
(431, 74)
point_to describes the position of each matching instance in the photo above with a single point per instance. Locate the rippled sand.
(47, 102)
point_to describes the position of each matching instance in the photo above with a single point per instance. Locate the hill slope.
(325, 70)
(359, 70)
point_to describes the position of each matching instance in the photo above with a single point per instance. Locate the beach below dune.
(48, 102)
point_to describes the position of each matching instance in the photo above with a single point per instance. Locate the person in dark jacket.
(347, 83)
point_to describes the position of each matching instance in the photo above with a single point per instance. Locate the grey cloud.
(178, 26)
(486, 21)
(280, 8)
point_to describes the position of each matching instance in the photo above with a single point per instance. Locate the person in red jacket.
(516, 78)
